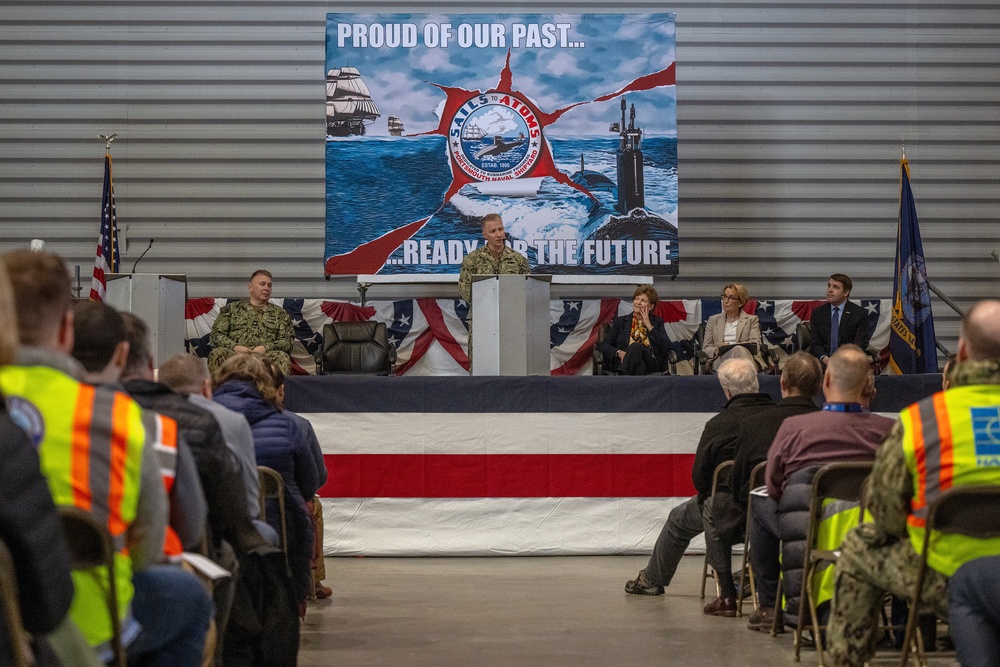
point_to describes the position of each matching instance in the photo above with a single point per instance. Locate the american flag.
(108, 255)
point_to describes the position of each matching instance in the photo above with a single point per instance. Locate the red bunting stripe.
(508, 476)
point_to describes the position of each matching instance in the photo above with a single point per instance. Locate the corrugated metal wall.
(790, 117)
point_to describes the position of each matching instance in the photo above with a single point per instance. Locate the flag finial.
(108, 138)
(902, 141)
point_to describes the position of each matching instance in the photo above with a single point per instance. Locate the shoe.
(762, 620)
(721, 607)
(323, 592)
(642, 586)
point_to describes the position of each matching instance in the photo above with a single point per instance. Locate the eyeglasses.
(726, 297)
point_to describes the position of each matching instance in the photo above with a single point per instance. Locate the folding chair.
(721, 476)
(973, 511)
(90, 546)
(746, 572)
(11, 611)
(272, 486)
(841, 483)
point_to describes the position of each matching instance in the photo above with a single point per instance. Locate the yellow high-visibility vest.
(90, 442)
(951, 439)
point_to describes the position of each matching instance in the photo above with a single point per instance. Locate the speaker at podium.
(510, 324)
(158, 299)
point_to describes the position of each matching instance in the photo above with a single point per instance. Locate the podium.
(510, 325)
(159, 301)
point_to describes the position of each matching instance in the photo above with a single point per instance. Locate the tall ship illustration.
(349, 103)
(396, 128)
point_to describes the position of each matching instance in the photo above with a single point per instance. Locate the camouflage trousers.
(219, 355)
(869, 568)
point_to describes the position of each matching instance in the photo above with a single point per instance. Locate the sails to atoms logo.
(495, 137)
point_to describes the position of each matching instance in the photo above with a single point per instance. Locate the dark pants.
(765, 556)
(974, 612)
(639, 360)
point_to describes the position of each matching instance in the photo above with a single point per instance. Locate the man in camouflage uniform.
(253, 325)
(493, 258)
(879, 557)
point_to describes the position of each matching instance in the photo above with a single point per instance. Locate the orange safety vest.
(161, 434)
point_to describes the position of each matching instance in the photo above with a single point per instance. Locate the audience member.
(253, 325)
(844, 430)
(637, 343)
(938, 443)
(801, 381)
(738, 378)
(29, 525)
(315, 505)
(188, 375)
(974, 612)
(245, 384)
(101, 347)
(74, 425)
(838, 321)
(948, 366)
(724, 331)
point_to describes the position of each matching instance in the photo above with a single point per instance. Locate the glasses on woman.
(726, 297)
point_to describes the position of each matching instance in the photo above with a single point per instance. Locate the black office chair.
(361, 348)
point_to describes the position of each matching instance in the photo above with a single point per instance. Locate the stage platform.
(424, 466)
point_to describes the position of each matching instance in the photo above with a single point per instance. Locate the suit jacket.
(747, 331)
(621, 329)
(853, 328)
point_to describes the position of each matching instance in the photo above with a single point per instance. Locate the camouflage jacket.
(889, 498)
(481, 262)
(239, 323)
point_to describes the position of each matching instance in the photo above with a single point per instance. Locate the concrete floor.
(522, 611)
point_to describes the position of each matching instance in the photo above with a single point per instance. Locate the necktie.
(835, 329)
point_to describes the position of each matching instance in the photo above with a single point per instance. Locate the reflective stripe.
(919, 454)
(836, 507)
(118, 453)
(80, 449)
(946, 452)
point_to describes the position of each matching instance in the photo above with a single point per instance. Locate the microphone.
(141, 256)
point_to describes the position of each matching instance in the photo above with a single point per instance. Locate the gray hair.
(739, 376)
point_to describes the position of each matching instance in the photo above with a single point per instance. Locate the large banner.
(563, 124)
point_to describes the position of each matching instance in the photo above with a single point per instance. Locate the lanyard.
(844, 407)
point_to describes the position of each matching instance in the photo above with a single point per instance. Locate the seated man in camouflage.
(253, 325)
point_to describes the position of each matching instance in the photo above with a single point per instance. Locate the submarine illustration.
(500, 145)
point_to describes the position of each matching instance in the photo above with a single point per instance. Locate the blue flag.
(912, 346)
(108, 257)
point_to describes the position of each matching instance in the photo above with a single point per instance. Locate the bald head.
(184, 373)
(847, 376)
(980, 339)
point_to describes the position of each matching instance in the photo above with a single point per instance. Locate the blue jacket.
(279, 443)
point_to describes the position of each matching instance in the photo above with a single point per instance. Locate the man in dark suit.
(848, 319)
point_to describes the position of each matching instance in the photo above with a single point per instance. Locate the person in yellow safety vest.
(943, 441)
(101, 346)
(91, 444)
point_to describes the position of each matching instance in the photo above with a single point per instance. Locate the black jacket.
(853, 328)
(793, 523)
(719, 439)
(218, 468)
(756, 435)
(29, 526)
(621, 330)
